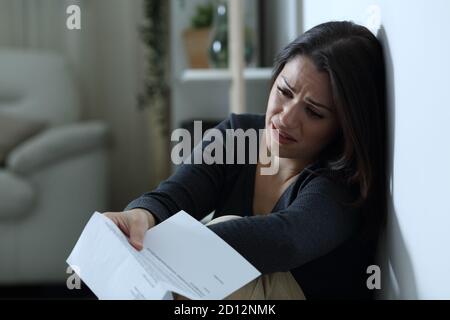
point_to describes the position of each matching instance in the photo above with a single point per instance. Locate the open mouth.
(282, 136)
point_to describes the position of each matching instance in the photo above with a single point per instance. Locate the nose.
(290, 116)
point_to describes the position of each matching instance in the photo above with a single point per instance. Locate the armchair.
(52, 182)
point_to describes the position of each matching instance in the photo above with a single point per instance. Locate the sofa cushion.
(14, 131)
(16, 196)
(57, 144)
(39, 85)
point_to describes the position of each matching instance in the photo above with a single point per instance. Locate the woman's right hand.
(133, 223)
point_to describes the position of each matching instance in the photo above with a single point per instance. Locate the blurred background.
(88, 100)
(90, 94)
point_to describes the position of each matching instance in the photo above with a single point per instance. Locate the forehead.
(302, 75)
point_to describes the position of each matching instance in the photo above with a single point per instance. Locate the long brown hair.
(353, 58)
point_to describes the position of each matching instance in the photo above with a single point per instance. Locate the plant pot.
(196, 42)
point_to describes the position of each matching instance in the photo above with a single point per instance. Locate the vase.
(196, 43)
(219, 48)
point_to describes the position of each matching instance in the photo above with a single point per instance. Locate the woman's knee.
(274, 286)
(223, 219)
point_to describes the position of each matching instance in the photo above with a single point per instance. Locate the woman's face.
(300, 109)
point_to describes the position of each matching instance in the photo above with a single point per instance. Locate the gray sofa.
(51, 182)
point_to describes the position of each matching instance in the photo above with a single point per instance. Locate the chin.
(288, 155)
(284, 152)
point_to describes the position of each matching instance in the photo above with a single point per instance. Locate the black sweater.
(310, 232)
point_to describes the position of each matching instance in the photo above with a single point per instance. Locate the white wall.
(418, 60)
(282, 25)
(117, 72)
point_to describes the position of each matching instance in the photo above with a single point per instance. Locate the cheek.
(273, 103)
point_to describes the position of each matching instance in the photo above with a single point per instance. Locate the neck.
(287, 168)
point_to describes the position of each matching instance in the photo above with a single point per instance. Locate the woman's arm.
(194, 188)
(312, 226)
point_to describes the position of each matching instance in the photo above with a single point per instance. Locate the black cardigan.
(310, 232)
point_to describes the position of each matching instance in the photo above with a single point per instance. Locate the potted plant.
(197, 36)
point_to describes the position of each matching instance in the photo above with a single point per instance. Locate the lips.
(283, 135)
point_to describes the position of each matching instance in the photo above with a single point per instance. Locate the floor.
(45, 292)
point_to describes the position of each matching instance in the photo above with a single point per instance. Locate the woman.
(310, 228)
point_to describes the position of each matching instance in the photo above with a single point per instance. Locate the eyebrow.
(317, 104)
(307, 99)
(288, 85)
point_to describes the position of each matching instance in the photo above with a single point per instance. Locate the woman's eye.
(284, 92)
(313, 113)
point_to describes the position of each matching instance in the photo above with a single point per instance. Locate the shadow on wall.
(398, 279)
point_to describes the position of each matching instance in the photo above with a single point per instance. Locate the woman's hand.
(133, 223)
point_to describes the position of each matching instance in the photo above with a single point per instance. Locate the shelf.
(253, 74)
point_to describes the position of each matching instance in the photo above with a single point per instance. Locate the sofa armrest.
(16, 196)
(57, 144)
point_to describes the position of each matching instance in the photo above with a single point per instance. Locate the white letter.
(215, 146)
(73, 281)
(74, 20)
(241, 136)
(374, 281)
(268, 156)
(198, 158)
(181, 149)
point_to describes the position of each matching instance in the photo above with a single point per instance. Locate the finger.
(123, 227)
(118, 221)
(137, 232)
(113, 216)
(108, 215)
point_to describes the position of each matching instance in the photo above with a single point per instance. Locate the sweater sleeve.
(194, 188)
(312, 226)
